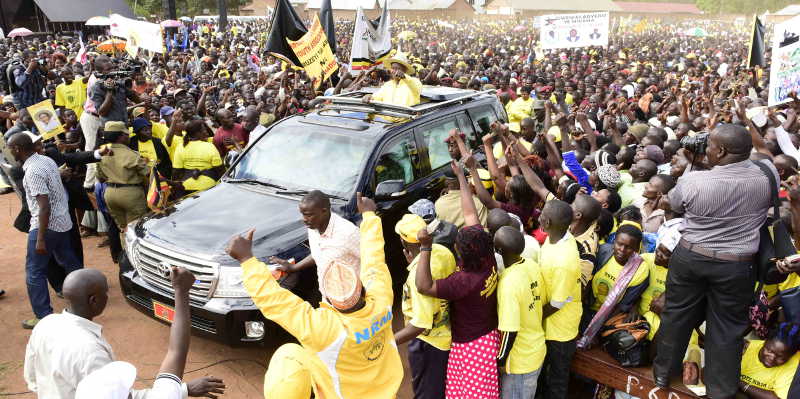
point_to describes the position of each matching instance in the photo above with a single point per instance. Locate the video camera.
(123, 75)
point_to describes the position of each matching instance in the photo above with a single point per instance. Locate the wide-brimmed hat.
(398, 58)
(43, 112)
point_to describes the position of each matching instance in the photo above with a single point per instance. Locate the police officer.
(125, 173)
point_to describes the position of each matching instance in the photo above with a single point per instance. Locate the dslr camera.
(696, 144)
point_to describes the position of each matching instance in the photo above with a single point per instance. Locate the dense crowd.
(619, 205)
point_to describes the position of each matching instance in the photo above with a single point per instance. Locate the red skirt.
(472, 368)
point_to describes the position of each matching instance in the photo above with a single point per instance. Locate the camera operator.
(29, 80)
(111, 92)
(711, 272)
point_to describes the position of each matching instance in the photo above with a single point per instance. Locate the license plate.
(163, 312)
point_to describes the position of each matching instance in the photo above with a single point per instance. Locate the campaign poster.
(46, 120)
(574, 30)
(315, 53)
(785, 69)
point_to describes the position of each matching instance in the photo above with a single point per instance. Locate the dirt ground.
(135, 337)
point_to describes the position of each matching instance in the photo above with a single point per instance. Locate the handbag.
(790, 300)
(626, 342)
(775, 242)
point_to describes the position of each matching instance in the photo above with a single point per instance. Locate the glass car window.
(395, 162)
(434, 136)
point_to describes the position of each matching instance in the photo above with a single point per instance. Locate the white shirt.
(62, 350)
(531, 252)
(340, 242)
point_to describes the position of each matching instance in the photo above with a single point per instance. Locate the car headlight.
(131, 242)
(130, 238)
(229, 283)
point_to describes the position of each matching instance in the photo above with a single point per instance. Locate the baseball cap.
(137, 112)
(166, 110)
(424, 208)
(408, 227)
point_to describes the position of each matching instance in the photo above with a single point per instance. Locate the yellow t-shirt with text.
(776, 379)
(657, 285)
(605, 278)
(520, 296)
(72, 96)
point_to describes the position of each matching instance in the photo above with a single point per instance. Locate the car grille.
(147, 259)
(198, 322)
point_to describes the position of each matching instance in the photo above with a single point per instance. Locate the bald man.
(711, 270)
(66, 347)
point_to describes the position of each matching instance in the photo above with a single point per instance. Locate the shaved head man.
(331, 238)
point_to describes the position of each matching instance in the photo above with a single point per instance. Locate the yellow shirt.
(520, 295)
(354, 354)
(518, 110)
(405, 92)
(448, 208)
(497, 150)
(160, 130)
(657, 284)
(775, 379)
(560, 264)
(177, 143)
(198, 155)
(422, 311)
(606, 277)
(629, 192)
(774, 289)
(72, 96)
(148, 151)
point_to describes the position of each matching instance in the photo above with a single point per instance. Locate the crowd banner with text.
(314, 53)
(574, 30)
(785, 69)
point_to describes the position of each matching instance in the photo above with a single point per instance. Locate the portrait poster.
(46, 120)
(785, 69)
(574, 30)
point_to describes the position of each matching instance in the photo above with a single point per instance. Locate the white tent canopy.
(345, 4)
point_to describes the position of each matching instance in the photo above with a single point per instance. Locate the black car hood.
(204, 223)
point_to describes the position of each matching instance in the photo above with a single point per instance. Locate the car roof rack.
(437, 97)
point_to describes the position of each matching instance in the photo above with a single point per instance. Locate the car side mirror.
(390, 190)
(230, 158)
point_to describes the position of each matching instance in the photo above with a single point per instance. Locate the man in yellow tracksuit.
(347, 347)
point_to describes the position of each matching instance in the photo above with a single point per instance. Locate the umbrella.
(98, 21)
(111, 45)
(171, 23)
(185, 19)
(697, 32)
(19, 32)
(519, 28)
(407, 35)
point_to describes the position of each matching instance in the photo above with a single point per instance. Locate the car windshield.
(306, 159)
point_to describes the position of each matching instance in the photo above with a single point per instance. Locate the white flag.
(371, 43)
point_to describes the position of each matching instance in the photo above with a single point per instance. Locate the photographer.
(711, 273)
(29, 80)
(111, 92)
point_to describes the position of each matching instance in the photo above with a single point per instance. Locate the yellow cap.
(408, 227)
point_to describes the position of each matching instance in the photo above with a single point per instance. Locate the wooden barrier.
(599, 366)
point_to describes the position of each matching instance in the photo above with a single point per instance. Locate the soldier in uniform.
(125, 173)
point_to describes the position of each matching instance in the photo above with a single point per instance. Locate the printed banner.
(138, 34)
(784, 75)
(574, 30)
(314, 52)
(45, 119)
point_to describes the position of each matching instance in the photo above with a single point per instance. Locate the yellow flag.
(641, 26)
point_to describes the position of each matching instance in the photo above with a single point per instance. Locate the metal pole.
(223, 14)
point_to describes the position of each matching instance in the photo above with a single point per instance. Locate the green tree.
(146, 8)
(741, 6)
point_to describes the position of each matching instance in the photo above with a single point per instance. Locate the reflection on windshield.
(306, 158)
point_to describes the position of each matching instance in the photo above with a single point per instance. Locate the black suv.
(345, 147)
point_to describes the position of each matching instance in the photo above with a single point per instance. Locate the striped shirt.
(724, 207)
(42, 178)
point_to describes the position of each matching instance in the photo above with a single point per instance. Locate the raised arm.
(467, 203)
(532, 178)
(175, 359)
(755, 135)
(481, 191)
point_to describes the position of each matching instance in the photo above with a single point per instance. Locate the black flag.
(286, 24)
(326, 19)
(757, 46)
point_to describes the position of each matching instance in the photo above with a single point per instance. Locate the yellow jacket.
(405, 92)
(354, 354)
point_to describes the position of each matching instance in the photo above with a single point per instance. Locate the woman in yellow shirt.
(197, 164)
(768, 367)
